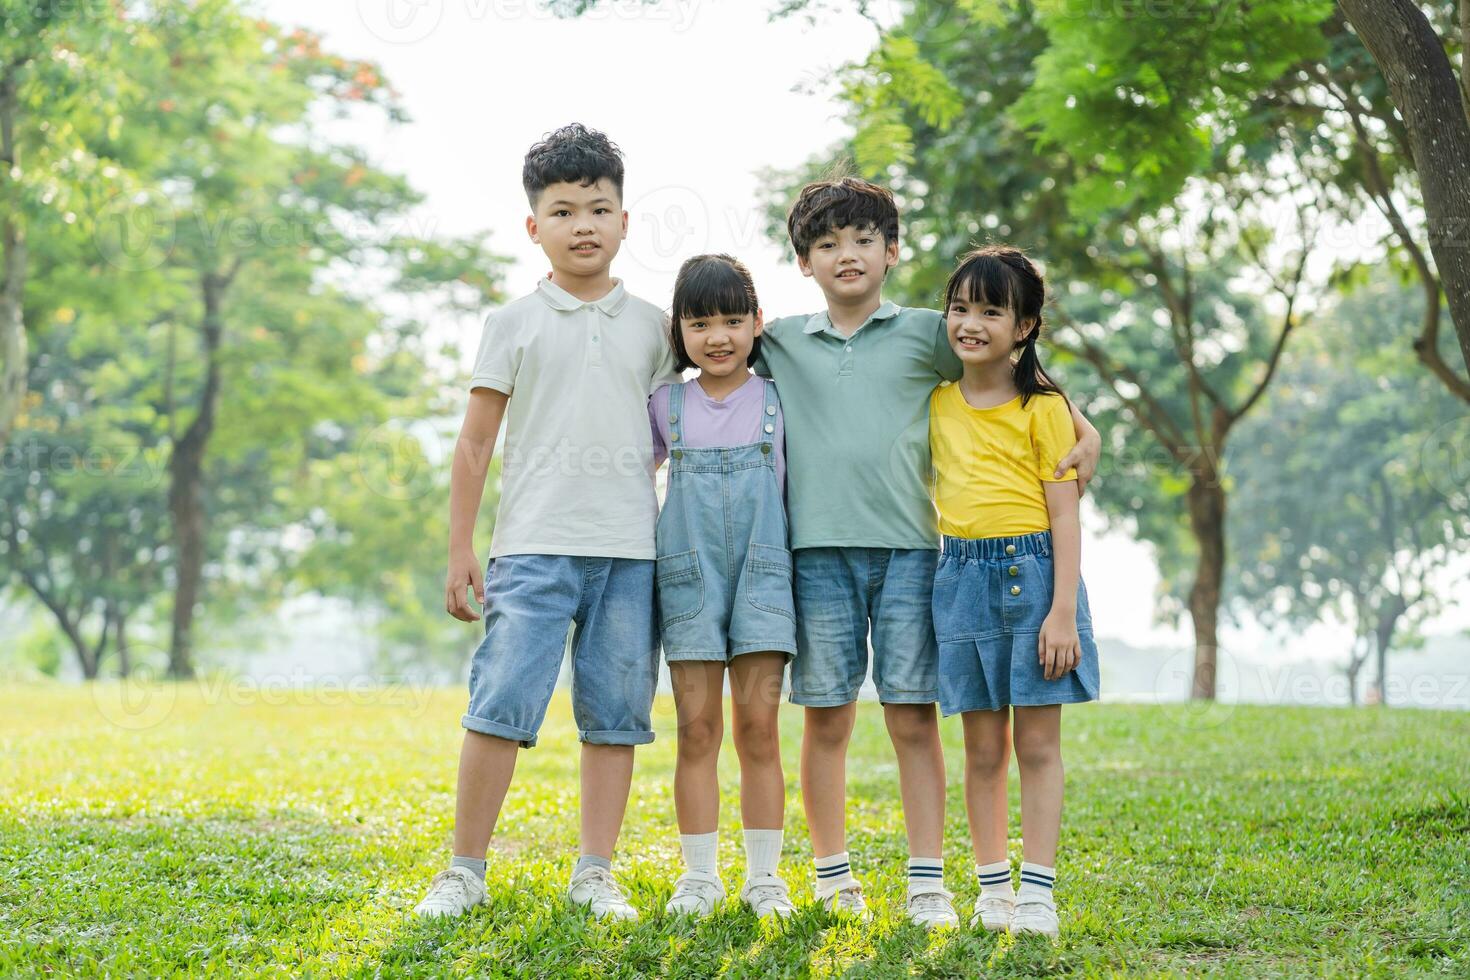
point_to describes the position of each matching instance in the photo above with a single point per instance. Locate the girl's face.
(720, 345)
(982, 333)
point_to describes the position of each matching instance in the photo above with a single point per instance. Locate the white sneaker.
(848, 901)
(596, 889)
(767, 896)
(454, 891)
(931, 908)
(696, 893)
(1034, 915)
(993, 912)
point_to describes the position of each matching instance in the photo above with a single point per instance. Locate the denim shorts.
(991, 596)
(531, 602)
(843, 592)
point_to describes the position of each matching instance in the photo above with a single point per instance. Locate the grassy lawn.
(230, 833)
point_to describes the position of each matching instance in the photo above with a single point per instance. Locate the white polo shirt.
(577, 461)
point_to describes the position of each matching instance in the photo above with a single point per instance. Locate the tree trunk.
(1427, 95)
(13, 355)
(186, 489)
(1207, 519)
(120, 637)
(1383, 638)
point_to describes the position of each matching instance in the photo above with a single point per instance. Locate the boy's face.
(720, 345)
(983, 332)
(849, 263)
(579, 228)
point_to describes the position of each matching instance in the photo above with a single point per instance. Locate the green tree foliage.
(1356, 480)
(229, 295)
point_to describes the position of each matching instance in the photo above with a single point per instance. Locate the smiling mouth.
(719, 355)
(849, 274)
(586, 248)
(974, 343)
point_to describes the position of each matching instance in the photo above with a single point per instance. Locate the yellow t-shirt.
(990, 463)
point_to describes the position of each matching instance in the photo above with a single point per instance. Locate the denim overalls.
(724, 569)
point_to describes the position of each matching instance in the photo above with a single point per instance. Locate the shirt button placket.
(594, 356)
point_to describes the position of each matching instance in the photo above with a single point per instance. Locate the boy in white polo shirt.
(570, 368)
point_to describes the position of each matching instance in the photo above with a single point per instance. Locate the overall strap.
(676, 414)
(768, 414)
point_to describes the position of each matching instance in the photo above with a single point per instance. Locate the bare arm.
(1058, 646)
(1085, 455)
(472, 454)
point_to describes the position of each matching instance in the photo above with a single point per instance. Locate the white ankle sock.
(834, 873)
(995, 879)
(762, 852)
(1036, 881)
(701, 851)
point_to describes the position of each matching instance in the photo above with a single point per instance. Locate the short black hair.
(708, 286)
(573, 154)
(824, 206)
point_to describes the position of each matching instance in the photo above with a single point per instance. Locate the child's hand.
(464, 571)
(1085, 457)
(1058, 646)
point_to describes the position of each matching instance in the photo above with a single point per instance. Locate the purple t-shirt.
(708, 424)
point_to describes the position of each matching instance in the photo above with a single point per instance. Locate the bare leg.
(698, 703)
(486, 764)
(607, 775)
(914, 731)
(824, 775)
(1039, 754)
(987, 762)
(755, 696)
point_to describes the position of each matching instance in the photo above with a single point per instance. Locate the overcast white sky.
(700, 95)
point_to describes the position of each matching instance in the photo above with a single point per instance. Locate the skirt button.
(1015, 590)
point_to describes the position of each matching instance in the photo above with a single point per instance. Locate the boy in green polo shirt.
(855, 382)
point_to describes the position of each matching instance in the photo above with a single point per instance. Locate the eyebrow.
(600, 200)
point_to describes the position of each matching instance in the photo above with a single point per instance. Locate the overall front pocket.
(768, 580)
(680, 587)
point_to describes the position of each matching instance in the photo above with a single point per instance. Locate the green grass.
(224, 831)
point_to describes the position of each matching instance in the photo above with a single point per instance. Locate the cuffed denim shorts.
(991, 596)
(842, 594)
(531, 602)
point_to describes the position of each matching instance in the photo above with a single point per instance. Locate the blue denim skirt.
(991, 596)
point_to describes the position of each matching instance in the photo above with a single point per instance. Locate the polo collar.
(818, 322)
(611, 303)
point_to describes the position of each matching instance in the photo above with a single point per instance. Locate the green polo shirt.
(857, 425)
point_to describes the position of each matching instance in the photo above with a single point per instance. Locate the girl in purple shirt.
(724, 579)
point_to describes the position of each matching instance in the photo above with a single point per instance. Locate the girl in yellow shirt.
(1010, 609)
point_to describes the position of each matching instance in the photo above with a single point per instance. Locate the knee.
(987, 761)
(1034, 752)
(758, 742)
(700, 737)
(827, 730)
(912, 725)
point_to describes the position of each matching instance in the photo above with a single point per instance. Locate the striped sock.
(926, 873)
(834, 873)
(1036, 881)
(701, 851)
(762, 852)
(995, 879)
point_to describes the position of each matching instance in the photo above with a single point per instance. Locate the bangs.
(710, 289)
(984, 280)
